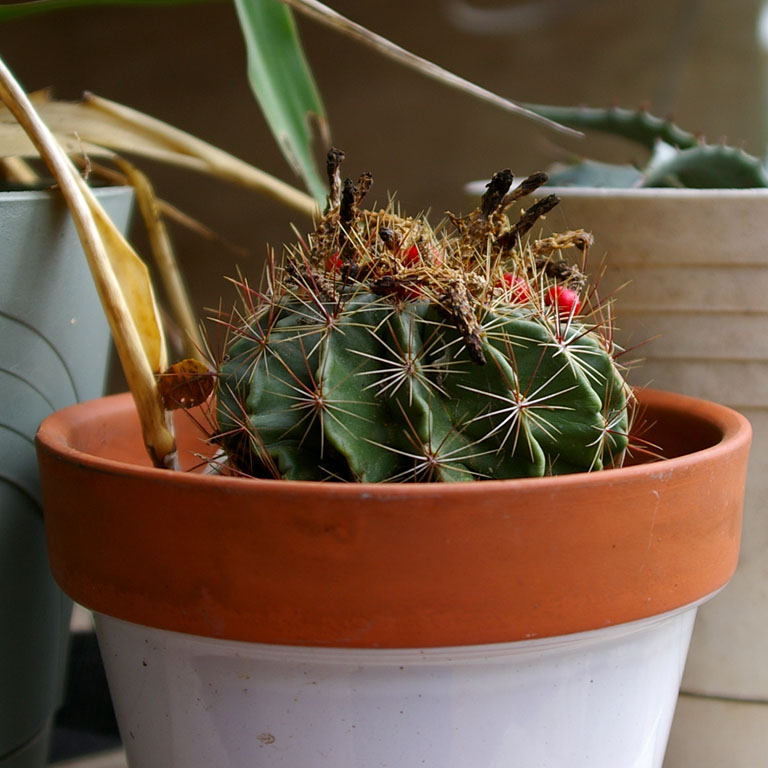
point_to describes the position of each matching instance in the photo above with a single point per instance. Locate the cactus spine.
(384, 350)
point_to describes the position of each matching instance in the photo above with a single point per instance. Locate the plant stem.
(131, 347)
(330, 18)
(205, 157)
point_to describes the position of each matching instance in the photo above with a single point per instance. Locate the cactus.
(678, 158)
(384, 350)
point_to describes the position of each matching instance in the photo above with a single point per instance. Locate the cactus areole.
(382, 349)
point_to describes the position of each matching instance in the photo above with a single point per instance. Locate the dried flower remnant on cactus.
(383, 349)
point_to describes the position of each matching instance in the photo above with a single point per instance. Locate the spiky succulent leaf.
(706, 167)
(592, 173)
(637, 125)
(678, 158)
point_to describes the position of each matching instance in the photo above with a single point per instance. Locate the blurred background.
(699, 61)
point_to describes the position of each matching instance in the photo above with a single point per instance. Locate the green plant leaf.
(638, 125)
(707, 166)
(10, 11)
(282, 82)
(592, 173)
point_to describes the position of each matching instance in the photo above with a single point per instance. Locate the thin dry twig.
(18, 170)
(168, 211)
(330, 18)
(205, 156)
(117, 273)
(165, 259)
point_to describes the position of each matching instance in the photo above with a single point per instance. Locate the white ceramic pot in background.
(598, 699)
(693, 266)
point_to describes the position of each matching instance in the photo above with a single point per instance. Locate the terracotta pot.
(690, 274)
(394, 577)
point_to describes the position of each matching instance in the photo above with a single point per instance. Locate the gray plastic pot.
(54, 347)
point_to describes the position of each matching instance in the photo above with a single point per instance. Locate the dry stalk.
(165, 259)
(330, 18)
(119, 275)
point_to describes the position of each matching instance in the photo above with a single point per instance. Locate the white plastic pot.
(599, 699)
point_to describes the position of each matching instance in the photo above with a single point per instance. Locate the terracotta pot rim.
(734, 428)
(391, 566)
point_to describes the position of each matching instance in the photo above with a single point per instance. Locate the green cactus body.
(384, 369)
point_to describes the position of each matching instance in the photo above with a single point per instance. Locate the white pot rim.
(672, 193)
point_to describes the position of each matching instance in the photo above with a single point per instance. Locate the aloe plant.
(383, 349)
(676, 158)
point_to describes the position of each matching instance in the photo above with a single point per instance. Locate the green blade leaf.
(283, 85)
(10, 11)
